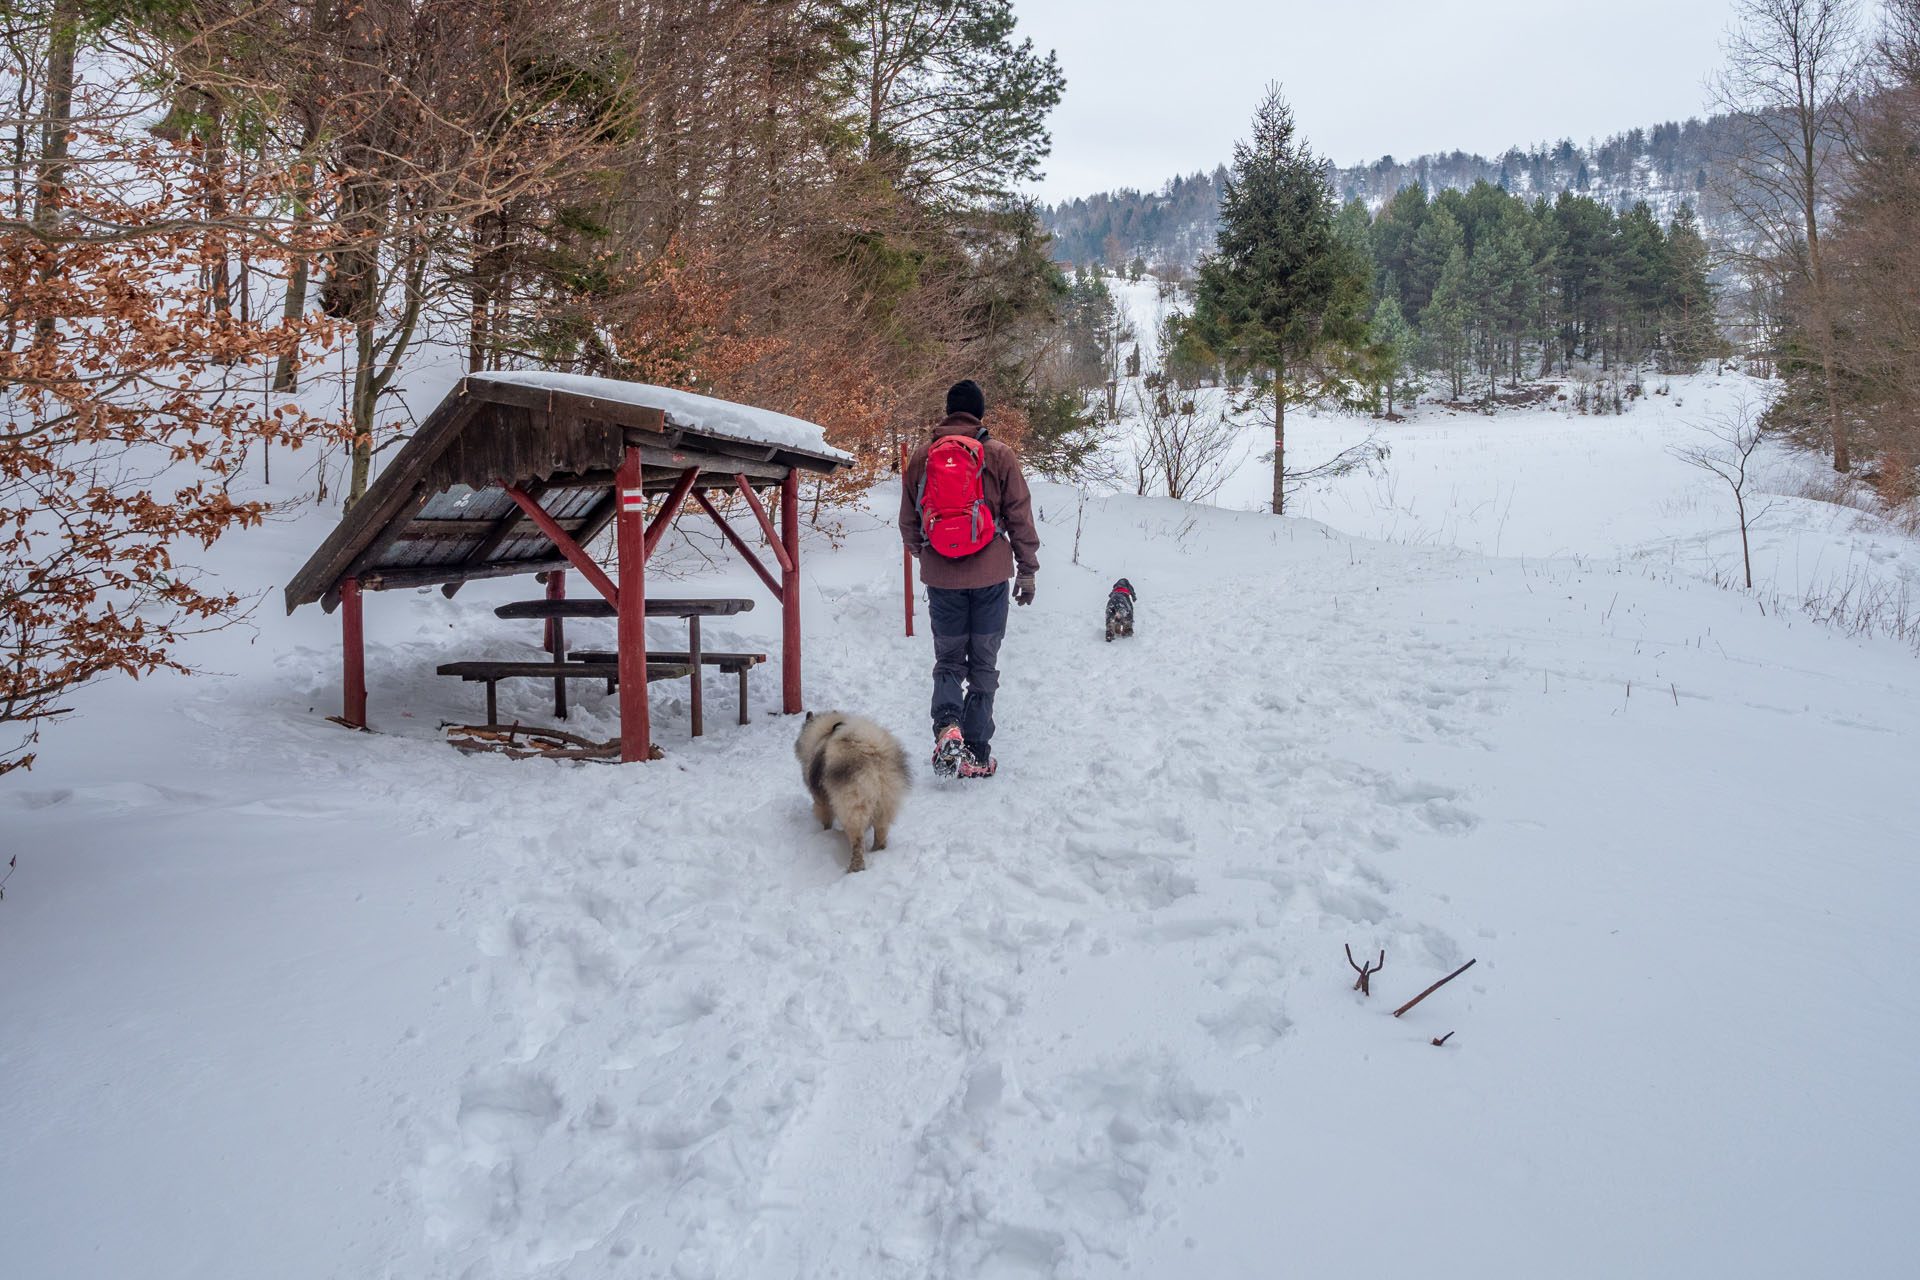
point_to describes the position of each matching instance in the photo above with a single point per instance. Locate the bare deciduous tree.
(120, 426)
(1731, 440)
(1186, 450)
(1873, 257)
(1794, 71)
(422, 117)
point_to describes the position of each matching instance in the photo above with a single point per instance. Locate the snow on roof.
(685, 409)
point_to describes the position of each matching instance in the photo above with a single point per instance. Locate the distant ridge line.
(1666, 165)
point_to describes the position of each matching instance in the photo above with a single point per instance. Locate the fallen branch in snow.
(1439, 1041)
(12, 862)
(1361, 984)
(525, 742)
(1435, 987)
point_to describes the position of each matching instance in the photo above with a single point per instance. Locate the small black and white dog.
(1120, 610)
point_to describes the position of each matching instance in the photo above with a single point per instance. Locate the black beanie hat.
(965, 396)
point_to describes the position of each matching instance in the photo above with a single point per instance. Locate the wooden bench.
(556, 612)
(729, 663)
(493, 672)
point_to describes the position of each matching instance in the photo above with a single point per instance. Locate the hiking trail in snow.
(303, 1002)
(711, 1038)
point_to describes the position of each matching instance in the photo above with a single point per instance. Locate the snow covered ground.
(283, 1000)
(1549, 482)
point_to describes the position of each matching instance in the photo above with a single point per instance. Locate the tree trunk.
(364, 395)
(1823, 320)
(1746, 553)
(1279, 438)
(51, 181)
(1842, 456)
(286, 370)
(477, 321)
(480, 298)
(213, 168)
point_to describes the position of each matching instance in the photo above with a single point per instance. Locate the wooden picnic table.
(692, 609)
(594, 607)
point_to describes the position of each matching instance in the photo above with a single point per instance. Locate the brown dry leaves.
(128, 399)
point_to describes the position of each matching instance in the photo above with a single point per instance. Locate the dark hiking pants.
(968, 625)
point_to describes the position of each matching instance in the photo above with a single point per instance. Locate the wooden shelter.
(517, 472)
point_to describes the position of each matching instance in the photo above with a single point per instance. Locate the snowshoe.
(949, 749)
(971, 766)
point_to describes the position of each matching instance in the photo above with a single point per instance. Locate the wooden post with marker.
(790, 594)
(906, 556)
(353, 652)
(630, 606)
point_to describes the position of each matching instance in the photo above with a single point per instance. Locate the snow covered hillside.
(1548, 482)
(284, 1000)
(1666, 166)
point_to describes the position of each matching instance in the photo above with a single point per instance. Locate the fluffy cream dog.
(857, 773)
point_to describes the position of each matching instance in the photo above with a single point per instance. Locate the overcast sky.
(1159, 87)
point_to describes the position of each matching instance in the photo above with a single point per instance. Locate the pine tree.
(1549, 252)
(954, 107)
(1395, 345)
(1688, 296)
(1090, 319)
(1515, 285)
(1586, 231)
(1447, 320)
(1392, 237)
(1283, 288)
(1644, 270)
(1430, 247)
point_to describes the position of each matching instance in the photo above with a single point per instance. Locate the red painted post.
(556, 590)
(906, 556)
(760, 514)
(671, 507)
(354, 654)
(790, 593)
(630, 540)
(739, 543)
(557, 638)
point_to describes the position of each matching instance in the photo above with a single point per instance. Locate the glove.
(1023, 589)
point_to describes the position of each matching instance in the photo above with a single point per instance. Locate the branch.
(1435, 987)
(1363, 984)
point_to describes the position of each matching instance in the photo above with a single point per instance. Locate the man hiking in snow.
(966, 514)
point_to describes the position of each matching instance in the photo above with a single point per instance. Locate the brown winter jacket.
(1015, 543)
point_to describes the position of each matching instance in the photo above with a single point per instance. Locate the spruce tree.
(1515, 289)
(1429, 248)
(1549, 251)
(1688, 300)
(1395, 343)
(1283, 287)
(1391, 237)
(1447, 321)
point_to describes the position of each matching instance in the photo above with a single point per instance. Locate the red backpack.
(953, 498)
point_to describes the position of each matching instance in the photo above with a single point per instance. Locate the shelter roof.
(438, 513)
